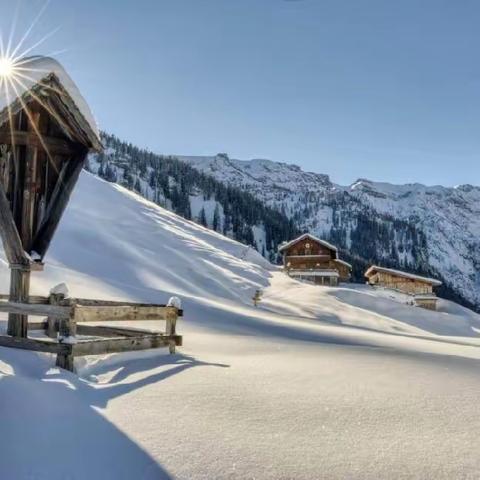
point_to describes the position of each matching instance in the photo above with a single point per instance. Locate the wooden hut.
(420, 287)
(312, 259)
(46, 132)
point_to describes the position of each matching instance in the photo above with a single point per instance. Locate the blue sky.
(375, 89)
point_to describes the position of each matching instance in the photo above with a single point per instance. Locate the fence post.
(171, 316)
(66, 334)
(52, 322)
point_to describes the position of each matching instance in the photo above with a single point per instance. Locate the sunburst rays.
(17, 77)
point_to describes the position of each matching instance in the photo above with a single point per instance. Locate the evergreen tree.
(202, 219)
(216, 218)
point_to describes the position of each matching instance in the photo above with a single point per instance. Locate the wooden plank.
(65, 361)
(116, 345)
(121, 313)
(52, 218)
(102, 331)
(32, 299)
(40, 310)
(35, 345)
(55, 146)
(19, 290)
(85, 302)
(30, 175)
(12, 243)
(42, 325)
(171, 329)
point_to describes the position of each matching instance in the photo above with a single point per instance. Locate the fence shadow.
(51, 428)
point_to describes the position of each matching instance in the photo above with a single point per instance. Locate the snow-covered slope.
(315, 383)
(431, 229)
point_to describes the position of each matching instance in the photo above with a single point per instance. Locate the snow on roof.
(286, 245)
(313, 273)
(38, 68)
(343, 262)
(399, 273)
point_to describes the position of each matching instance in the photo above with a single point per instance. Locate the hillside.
(432, 230)
(330, 380)
(427, 230)
(181, 188)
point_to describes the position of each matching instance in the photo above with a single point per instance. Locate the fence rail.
(67, 319)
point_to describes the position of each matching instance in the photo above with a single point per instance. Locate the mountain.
(183, 189)
(432, 230)
(426, 230)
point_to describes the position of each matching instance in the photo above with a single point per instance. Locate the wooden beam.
(12, 243)
(29, 194)
(19, 291)
(35, 309)
(55, 146)
(46, 230)
(35, 345)
(115, 345)
(41, 325)
(85, 302)
(32, 299)
(122, 313)
(171, 329)
(102, 331)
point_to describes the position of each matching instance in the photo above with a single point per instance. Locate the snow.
(311, 237)
(174, 302)
(38, 68)
(60, 289)
(317, 382)
(375, 268)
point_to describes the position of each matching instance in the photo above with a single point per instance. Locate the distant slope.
(179, 187)
(432, 230)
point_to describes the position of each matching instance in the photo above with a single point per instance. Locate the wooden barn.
(420, 287)
(312, 259)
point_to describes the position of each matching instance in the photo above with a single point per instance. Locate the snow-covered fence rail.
(68, 334)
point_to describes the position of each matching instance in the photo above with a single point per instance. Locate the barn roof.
(375, 268)
(284, 246)
(33, 74)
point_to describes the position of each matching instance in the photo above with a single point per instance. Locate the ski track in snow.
(317, 383)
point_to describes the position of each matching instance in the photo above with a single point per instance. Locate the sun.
(7, 67)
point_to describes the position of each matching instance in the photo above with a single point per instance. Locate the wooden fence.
(69, 330)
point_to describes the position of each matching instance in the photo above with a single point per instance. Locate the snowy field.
(316, 383)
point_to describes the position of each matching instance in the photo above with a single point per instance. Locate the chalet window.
(308, 249)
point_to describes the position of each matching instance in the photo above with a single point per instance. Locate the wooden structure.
(46, 132)
(420, 287)
(312, 259)
(44, 142)
(68, 324)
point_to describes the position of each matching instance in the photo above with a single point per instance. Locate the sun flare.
(7, 67)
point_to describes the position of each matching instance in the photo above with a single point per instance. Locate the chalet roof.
(38, 70)
(374, 268)
(313, 273)
(343, 262)
(284, 246)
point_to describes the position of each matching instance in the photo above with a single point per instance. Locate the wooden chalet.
(420, 287)
(314, 260)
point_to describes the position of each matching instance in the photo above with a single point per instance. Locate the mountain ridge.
(425, 230)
